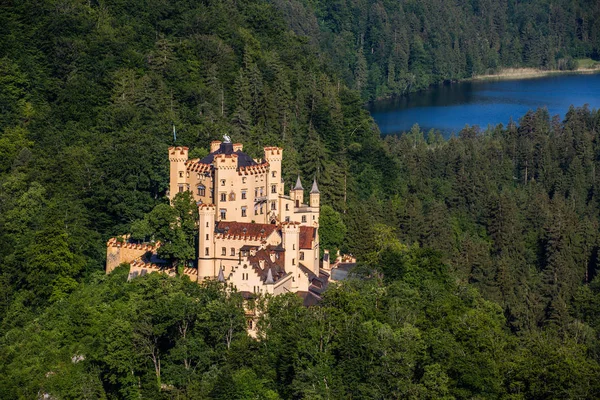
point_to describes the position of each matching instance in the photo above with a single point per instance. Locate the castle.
(251, 234)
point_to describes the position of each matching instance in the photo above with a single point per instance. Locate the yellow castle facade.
(251, 233)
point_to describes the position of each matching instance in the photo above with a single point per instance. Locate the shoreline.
(528, 73)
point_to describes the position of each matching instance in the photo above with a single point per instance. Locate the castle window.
(223, 213)
(201, 190)
(223, 251)
(222, 182)
(301, 255)
(293, 246)
(187, 174)
(273, 188)
(198, 175)
(313, 217)
(243, 211)
(255, 192)
(273, 205)
(244, 194)
(243, 179)
(304, 218)
(287, 207)
(206, 251)
(297, 203)
(181, 189)
(274, 174)
(261, 191)
(261, 208)
(207, 236)
(231, 196)
(293, 261)
(233, 251)
(249, 324)
(207, 224)
(287, 219)
(223, 196)
(181, 174)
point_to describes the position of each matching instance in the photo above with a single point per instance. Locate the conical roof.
(269, 280)
(221, 276)
(298, 184)
(315, 188)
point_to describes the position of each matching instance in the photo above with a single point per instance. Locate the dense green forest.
(479, 261)
(384, 48)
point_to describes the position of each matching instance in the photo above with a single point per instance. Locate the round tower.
(206, 247)
(290, 231)
(178, 156)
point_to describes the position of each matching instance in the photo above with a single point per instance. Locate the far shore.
(526, 73)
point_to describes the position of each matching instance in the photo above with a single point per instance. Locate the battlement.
(178, 154)
(273, 151)
(226, 161)
(122, 242)
(207, 207)
(196, 166)
(254, 169)
(238, 147)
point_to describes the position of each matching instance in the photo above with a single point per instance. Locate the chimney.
(214, 145)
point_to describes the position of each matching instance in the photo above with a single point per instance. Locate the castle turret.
(206, 248)
(315, 195)
(297, 193)
(178, 156)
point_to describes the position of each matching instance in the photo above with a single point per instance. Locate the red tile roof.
(245, 229)
(307, 235)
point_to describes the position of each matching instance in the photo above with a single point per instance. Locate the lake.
(449, 107)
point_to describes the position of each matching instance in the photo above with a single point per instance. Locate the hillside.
(479, 254)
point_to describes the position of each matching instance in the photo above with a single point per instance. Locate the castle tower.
(297, 193)
(178, 156)
(225, 178)
(273, 155)
(291, 241)
(206, 248)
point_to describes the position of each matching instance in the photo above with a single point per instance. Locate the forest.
(478, 255)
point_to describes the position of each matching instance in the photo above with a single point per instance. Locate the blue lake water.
(448, 108)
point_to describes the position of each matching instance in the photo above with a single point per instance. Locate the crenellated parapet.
(123, 242)
(178, 154)
(196, 166)
(226, 161)
(121, 250)
(254, 169)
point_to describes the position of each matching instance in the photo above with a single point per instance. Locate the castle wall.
(118, 252)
